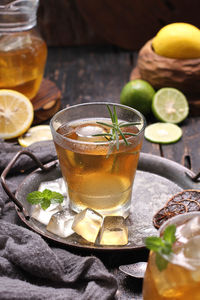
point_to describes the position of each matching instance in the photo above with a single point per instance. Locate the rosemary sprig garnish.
(115, 129)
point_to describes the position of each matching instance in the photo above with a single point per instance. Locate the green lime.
(164, 133)
(138, 94)
(170, 105)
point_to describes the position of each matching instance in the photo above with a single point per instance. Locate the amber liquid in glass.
(22, 61)
(180, 280)
(95, 179)
(174, 283)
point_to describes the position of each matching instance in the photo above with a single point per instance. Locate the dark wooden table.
(87, 74)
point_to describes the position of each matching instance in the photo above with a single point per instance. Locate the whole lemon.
(178, 40)
(138, 94)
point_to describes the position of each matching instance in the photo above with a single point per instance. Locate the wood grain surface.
(128, 24)
(61, 24)
(47, 101)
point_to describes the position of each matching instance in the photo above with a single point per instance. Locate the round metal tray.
(157, 179)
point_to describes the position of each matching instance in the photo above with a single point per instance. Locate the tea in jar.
(22, 50)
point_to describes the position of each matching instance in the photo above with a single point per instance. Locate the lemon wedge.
(35, 134)
(178, 40)
(16, 114)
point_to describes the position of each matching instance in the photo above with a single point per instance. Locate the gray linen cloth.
(29, 268)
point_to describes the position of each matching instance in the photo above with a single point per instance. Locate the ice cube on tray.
(87, 224)
(114, 232)
(61, 224)
(57, 185)
(44, 216)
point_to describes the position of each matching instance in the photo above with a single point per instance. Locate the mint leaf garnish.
(162, 246)
(45, 198)
(35, 197)
(45, 203)
(169, 234)
(161, 262)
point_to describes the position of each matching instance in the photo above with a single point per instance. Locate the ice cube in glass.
(192, 248)
(87, 224)
(61, 224)
(86, 133)
(114, 231)
(188, 229)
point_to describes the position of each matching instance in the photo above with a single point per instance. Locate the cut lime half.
(170, 105)
(163, 133)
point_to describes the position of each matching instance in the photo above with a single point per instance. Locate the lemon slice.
(170, 105)
(35, 134)
(16, 114)
(164, 133)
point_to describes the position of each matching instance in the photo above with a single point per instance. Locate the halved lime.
(170, 105)
(164, 133)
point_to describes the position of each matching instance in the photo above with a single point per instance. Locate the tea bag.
(87, 224)
(61, 224)
(114, 231)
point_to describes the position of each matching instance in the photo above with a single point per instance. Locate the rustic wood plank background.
(128, 24)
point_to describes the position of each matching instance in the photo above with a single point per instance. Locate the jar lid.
(18, 15)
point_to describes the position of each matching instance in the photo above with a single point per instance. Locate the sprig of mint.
(45, 198)
(162, 246)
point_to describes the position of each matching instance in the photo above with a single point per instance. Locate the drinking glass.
(181, 279)
(98, 173)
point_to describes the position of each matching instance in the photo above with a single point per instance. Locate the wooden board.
(47, 101)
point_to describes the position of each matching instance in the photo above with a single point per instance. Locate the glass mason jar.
(22, 50)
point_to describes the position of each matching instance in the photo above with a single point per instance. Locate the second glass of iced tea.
(181, 278)
(99, 175)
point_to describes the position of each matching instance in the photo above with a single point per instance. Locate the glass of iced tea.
(180, 280)
(99, 175)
